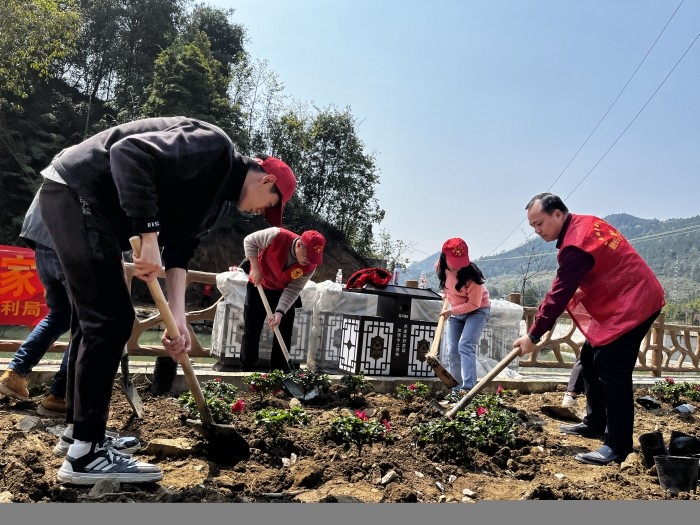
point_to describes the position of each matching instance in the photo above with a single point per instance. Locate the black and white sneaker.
(125, 444)
(102, 462)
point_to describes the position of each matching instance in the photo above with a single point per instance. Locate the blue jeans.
(463, 336)
(51, 327)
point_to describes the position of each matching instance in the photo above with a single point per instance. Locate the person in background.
(468, 310)
(575, 386)
(166, 180)
(282, 262)
(57, 322)
(206, 295)
(613, 297)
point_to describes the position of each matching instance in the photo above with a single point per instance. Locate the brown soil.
(539, 466)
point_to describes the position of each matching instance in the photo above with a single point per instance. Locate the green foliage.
(219, 397)
(275, 420)
(308, 380)
(675, 393)
(357, 384)
(408, 393)
(265, 384)
(359, 430)
(485, 422)
(35, 35)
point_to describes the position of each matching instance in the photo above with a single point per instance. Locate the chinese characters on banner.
(22, 301)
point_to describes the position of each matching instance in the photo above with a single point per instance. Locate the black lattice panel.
(331, 338)
(421, 337)
(366, 345)
(348, 347)
(228, 340)
(301, 335)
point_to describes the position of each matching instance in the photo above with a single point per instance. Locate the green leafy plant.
(219, 396)
(265, 384)
(308, 380)
(275, 420)
(357, 384)
(675, 393)
(408, 393)
(485, 422)
(359, 430)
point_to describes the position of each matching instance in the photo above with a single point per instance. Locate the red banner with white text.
(22, 301)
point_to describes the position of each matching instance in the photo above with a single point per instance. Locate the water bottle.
(339, 276)
(395, 279)
(423, 281)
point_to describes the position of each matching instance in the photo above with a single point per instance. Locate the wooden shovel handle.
(173, 332)
(435, 345)
(283, 346)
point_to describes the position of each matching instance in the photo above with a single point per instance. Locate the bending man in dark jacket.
(167, 180)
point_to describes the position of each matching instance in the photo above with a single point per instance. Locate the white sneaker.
(568, 401)
(125, 444)
(102, 462)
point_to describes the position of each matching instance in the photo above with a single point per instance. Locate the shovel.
(479, 386)
(431, 356)
(225, 442)
(289, 384)
(132, 396)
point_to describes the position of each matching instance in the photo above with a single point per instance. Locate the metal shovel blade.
(560, 412)
(132, 396)
(296, 391)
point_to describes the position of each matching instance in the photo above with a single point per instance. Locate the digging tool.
(225, 442)
(479, 386)
(132, 396)
(431, 356)
(560, 412)
(289, 384)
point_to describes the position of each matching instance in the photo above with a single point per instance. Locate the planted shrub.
(359, 430)
(357, 385)
(265, 384)
(675, 393)
(220, 397)
(308, 380)
(408, 393)
(275, 420)
(484, 423)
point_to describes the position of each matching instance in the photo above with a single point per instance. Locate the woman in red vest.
(283, 262)
(613, 297)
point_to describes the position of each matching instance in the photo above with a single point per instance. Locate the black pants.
(255, 315)
(576, 378)
(607, 374)
(102, 315)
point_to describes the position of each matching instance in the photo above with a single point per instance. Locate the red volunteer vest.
(620, 292)
(273, 258)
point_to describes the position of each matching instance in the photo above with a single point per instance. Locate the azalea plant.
(675, 393)
(265, 384)
(357, 384)
(484, 423)
(308, 380)
(359, 430)
(220, 398)
(408, 393)
(275, 420)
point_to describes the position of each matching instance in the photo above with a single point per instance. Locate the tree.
(225, 37)
(393, 251)
(187, 81)
(34, 36)
(533, 263)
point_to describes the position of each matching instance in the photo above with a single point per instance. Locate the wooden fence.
(666, 349)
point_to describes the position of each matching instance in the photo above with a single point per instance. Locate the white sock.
(79, 448)
(68, 432)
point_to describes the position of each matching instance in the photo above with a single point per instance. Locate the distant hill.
(671, 248)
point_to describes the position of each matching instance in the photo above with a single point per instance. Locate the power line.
(601, 120)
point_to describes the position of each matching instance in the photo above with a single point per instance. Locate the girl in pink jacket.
(468, 311)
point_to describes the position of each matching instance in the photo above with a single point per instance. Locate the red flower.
(481, 411)
(386, 424)
(277, 392)
(670, 380)
(361, 414)
(499, 390)
(238, 406)
(253, 387)
(217, 379)
(411, 386)
(264, 376)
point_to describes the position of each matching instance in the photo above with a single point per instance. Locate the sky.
(472, 107)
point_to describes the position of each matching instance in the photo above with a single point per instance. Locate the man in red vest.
(283, 262)
(613, 297)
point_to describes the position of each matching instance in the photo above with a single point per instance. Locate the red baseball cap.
(457, 253)
(315, 243)
(286, 184)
